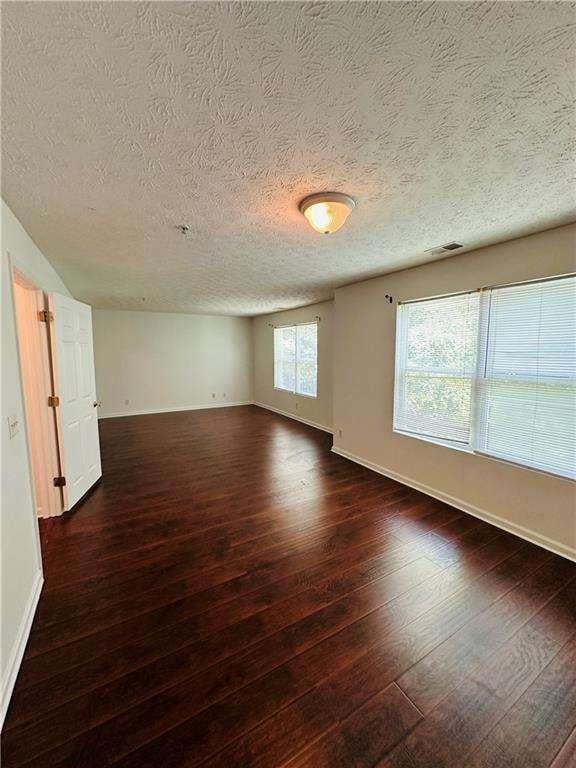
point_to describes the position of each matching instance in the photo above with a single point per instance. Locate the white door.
(75, 385)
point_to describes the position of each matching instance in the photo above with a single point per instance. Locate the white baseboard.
(175, 409)
(518, 530)
(17, 652)
(296, 418)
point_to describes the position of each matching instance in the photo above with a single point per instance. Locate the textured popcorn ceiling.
(446, 121)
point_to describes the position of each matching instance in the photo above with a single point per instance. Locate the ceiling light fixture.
(326, 212)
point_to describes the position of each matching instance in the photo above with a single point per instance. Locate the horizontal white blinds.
(435, 367)
(493, 370)
(296, 358)
(526, 398)
(285, 358)
(306, 359)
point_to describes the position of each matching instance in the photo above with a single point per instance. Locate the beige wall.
(160, 361)
(525, 501)
(20, 547)
(316, 411)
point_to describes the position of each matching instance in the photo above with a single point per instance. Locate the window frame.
(469, 447)
(293, 391)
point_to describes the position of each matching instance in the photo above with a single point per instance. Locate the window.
(493, 371)
(436, 363)
(295, 358)
(285, 358)
(526, 400)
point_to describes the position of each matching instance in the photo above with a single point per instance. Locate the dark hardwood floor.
(233, 594)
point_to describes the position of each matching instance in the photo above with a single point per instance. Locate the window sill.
(467, 449)
(298, 394)
(436, 441)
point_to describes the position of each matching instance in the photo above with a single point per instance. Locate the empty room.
(288, 384)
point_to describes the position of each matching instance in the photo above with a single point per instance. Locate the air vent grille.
(446, 248)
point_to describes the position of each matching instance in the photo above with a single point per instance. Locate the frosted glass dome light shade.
(326, 212)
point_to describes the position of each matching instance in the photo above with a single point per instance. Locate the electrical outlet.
(224, 396)
(13, 426)
(213, 395)
(126, 402)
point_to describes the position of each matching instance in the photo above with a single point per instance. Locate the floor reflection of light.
(293, 477)
(432, 543)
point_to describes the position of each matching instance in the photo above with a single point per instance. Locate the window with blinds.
(435, 367)
(285, 358)
(493, 372)
(296, 359)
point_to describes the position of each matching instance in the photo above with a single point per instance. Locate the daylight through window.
(493, 371)
(296, 358)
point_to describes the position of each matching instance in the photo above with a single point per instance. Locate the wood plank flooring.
(234, 595)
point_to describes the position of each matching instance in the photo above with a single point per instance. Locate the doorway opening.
(58, 380)
(33, 331)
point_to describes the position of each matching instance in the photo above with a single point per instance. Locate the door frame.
(41, 432)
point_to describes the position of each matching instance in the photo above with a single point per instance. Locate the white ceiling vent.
(438, 249)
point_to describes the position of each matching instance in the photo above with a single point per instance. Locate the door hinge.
(45, 316)
(53, 401)
(59, 482)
